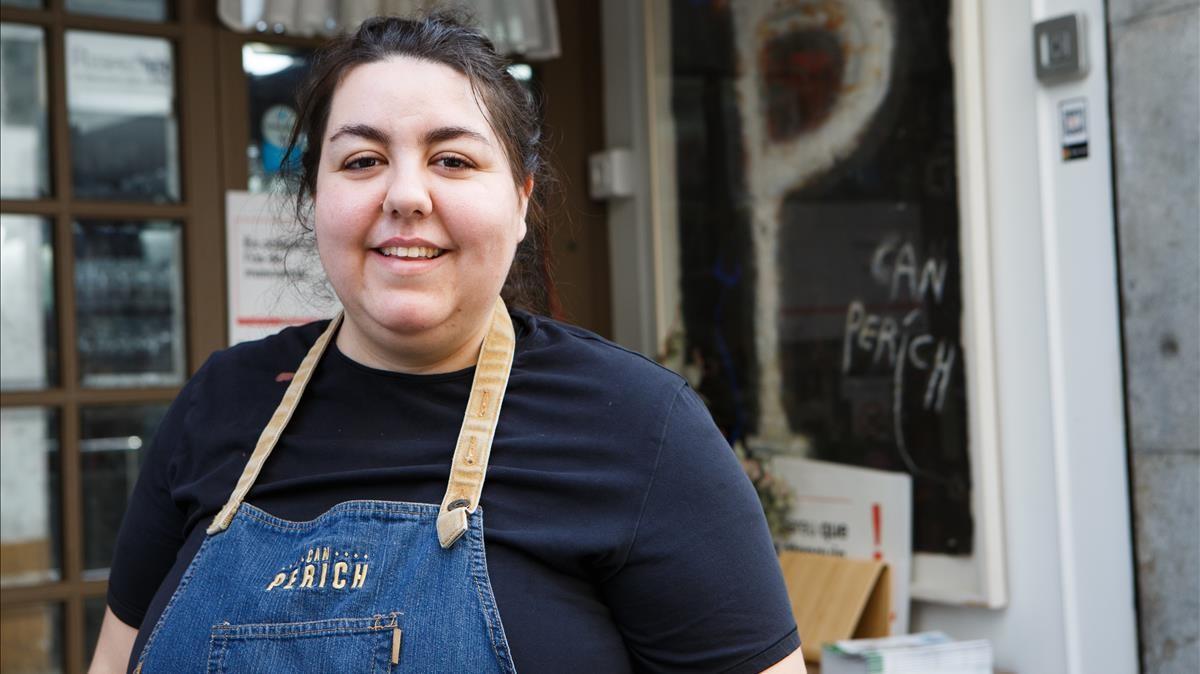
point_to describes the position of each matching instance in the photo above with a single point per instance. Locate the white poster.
(22, 313)
(853, 512)
(271, 285)
(119, 74)
(25, 490)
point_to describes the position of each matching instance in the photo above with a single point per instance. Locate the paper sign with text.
(270, 287)
(854, 512)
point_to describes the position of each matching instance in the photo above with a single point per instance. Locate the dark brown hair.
(514, 115)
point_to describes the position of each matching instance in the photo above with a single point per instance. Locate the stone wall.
(1155, 86)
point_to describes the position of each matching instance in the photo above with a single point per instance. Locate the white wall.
(631, 239)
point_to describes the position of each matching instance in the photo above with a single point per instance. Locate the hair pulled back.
(514, 115)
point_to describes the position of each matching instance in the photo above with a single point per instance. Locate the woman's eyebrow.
(444, 133)
(362, 131)
(432, 137)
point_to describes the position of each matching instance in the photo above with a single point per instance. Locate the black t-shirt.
(620, 532)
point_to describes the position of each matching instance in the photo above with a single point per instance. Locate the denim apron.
(369, 586)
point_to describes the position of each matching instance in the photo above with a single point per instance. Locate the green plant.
(776, 495)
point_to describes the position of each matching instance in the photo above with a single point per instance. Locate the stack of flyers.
(923, 653)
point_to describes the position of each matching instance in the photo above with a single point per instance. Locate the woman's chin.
(411, 323)
(405, 316)
(416, 315)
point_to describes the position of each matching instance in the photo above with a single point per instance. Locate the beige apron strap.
(469, 466)
(270, 434)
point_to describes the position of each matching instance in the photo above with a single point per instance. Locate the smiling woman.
(410, 162)
(622, 534)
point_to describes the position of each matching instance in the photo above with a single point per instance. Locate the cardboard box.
(836, 598)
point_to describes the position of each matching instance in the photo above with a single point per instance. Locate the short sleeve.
(701, 588)
(152, 531)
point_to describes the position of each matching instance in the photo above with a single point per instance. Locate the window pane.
(93, 617)
(25, 169)
(111, 440)
(141, 10)
(129, 303)
(29, 4)
(273, 75)
(121, 107)
(28, 330)
(29, 494)
(31, 637)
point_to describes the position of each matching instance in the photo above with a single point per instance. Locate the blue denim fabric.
(334, 594)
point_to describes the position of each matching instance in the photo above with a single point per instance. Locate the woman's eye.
(453, 162)
(359, 163)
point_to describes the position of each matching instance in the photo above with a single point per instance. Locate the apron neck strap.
(270, 434)
(469, 466)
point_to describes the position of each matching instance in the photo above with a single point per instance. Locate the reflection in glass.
(28, 334)
(121, 108)
(31, 638)
(139, 10)
(129, 303)
(29, 510)
(25, 171)
(273, 75)
(110, 453)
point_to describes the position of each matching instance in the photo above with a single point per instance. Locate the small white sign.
(853, 512)
(266, 296)
(119, 74)
(1074, 130)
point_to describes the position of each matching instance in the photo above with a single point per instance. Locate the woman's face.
(417, 216)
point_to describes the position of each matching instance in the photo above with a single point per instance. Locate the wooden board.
(836, 598)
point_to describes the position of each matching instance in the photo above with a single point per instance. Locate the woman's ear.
(524, 194)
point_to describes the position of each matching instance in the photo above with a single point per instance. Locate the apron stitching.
(212, 638)
(487, 618)
(487, 608)
(347, 629)
(285, 525)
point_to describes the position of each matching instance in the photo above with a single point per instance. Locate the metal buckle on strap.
(451, 525)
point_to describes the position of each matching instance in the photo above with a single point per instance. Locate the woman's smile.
(415, 252)
(408, 257)
(407, 261)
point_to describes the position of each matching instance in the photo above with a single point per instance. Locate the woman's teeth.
(413, 251)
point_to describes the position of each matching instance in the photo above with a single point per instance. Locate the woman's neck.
(443, 351)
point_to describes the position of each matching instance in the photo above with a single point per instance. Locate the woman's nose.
(408, 194)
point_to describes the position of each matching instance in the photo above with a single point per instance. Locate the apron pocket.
(352, 645)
